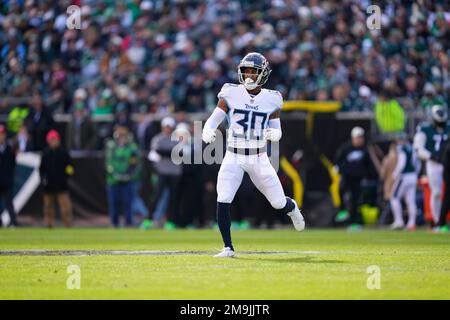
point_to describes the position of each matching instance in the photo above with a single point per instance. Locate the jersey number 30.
(250, 116)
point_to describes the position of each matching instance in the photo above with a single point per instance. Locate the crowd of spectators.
(170, 58)
(154, 57)
(167, 56)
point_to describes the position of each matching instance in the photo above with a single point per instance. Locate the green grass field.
(315, 264)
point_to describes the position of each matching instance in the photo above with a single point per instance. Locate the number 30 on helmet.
(260, 63)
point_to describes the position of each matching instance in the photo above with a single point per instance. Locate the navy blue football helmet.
(260, 63)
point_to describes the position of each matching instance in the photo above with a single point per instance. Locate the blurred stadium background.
(135, 62)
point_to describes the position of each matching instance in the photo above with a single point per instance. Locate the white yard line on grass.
(125, 252)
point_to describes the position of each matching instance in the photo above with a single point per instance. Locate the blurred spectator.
(56, 100)
(340, 93)
(39, 122)
(7, 170)
(353, 163)
(122, 168)
(389, 114)
(195, 96)
(79, 97)
(22, 141)
(81, 132)
(16, 118)
(311, 47)
(169, 175)
(365, 101)
(114, 58)
(55, 168)
(412, 90)
(105, 104)
(191, 183)
(146, 129)
(122, 116)
(137, 204)
(430, 98)
(71, 55)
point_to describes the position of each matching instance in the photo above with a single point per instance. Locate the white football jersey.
(248, 115)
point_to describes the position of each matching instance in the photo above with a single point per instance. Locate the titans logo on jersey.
(435, 138)
(248, 115)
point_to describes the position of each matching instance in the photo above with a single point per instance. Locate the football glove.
(272, 134)
(208, 135)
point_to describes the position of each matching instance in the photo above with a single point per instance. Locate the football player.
(253, 116)
(405, 184)
(429, 142)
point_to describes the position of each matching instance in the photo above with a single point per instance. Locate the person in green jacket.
(122, 167)
(389, 114)
(105, 104)
(430, 98)
(16, 118)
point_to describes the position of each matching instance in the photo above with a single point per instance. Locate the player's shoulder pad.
(275, 97)
(226, 90)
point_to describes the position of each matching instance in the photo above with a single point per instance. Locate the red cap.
(2, 129)
(52, 134)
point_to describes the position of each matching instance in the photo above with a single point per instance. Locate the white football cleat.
(226, 253)
(397, 226)
(297, 218)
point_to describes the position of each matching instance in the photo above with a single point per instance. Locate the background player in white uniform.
(429, 142)
(405, 184)
(253, 116)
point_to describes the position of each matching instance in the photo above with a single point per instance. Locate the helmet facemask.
(246, 78)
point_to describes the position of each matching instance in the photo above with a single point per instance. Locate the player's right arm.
(420, 139)
(273, 131)
(214, 120)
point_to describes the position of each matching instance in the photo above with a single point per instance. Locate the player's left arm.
(273, 132)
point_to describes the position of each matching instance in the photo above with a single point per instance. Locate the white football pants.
(404, 188)
(435, 173)
(260, 171)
